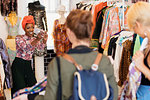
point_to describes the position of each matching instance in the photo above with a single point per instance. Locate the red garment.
(61, 41)
(98, 7)
(26, 20)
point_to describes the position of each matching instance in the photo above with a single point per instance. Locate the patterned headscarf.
(27, 20)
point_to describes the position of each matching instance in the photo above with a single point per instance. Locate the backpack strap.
(71, 60)
(96, 62)
(59, 91)
(79, 67)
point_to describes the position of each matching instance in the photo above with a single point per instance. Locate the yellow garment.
(10, 43)
(12, 17)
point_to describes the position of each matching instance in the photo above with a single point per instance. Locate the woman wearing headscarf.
(22, 72)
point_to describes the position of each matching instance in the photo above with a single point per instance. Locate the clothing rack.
(123, 6)
(123, 1)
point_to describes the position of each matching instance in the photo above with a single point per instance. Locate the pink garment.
(24, 48)
(111, 25)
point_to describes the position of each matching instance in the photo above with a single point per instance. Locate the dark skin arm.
(39, 37)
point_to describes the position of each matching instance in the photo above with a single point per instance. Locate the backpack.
(87, 83)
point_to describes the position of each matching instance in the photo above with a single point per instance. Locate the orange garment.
(27, 20)
(98, 7)
(61, 41)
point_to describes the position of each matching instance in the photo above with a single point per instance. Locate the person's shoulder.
(19, 36)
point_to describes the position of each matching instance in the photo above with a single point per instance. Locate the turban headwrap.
(27, 20)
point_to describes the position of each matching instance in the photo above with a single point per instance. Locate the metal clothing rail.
(123, 1)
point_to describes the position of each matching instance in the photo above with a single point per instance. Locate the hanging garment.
(111, 25)
(2, 78)
(96, 9)
(84, 6)
(125, 62)
(97, 30)
(39, 18)
(8, 5)
(137, 44)
(112, 47)
(61, 41)
(118, 51)
(12, 55)
(134, 1)
(13, 30)
(6, 64)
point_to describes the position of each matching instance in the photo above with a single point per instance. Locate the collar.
(80, 49)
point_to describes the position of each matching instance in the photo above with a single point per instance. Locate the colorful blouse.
(61, 41)
(24, 48)
(111, 25)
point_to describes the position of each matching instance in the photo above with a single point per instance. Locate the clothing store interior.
(74, 50)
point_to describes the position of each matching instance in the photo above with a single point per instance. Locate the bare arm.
(39, 37)
(139, 62)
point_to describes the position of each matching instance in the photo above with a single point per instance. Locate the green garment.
(137, 44)
(67, 71)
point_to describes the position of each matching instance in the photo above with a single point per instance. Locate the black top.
(36, 6)
(144, 80)
(80, 49)
(112, 47)
(132, 45)
(99, 22)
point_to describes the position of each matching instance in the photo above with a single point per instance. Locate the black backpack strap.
(59, 91)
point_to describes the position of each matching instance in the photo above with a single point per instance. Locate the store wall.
(23, 11)
(3, 27)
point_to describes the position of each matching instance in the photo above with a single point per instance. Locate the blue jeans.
(143, 93)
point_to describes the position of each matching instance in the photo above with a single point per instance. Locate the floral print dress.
(61, 41)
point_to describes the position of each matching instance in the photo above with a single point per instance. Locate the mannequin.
(12, 17)
(61, 41)
(13, 24)
(62, 18)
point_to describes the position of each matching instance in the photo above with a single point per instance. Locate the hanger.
(35, 0)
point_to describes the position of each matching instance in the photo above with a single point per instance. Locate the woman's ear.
(67, 31)
(137, 24)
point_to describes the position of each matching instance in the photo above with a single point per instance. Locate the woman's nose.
(31, 30)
